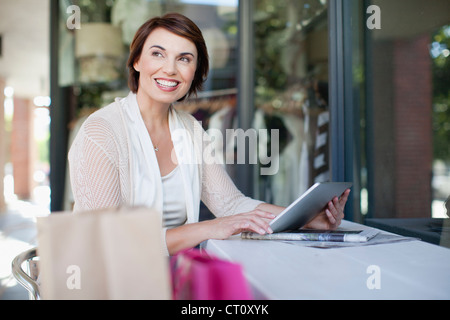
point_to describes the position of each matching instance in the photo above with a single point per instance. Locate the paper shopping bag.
(105, 254)
(197, 275)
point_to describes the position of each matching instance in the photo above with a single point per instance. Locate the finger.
(259, 217)
(252, 227)
(344, 197)
(335, 210)
(330, 216)
(262, 223)
(263, 214)
(339, 204)
(339, 208)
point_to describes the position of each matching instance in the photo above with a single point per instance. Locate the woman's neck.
(154, 114)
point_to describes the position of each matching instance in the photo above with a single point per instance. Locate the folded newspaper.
(316, 235)
(330, 239)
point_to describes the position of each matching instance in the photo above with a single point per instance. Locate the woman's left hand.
(330, 218)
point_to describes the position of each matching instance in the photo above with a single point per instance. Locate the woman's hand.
(254, 221)
(258, 221)
(331, 217)
(190, 235)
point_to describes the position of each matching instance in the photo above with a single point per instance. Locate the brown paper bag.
(106, 254)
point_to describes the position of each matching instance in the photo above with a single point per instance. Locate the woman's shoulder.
(184, 115)
(188, 119)
(107, 113)
(104, 129)
(105, 123)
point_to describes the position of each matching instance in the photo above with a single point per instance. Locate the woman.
(132, 153)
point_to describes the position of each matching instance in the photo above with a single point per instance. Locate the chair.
(29, 278)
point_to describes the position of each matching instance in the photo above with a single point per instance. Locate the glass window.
(291, 96)
(99, 48)
(408, 67)
(93, 57)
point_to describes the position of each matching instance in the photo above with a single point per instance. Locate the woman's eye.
(185, 59)
(157, 54)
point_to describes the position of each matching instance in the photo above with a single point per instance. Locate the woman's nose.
(170, 67)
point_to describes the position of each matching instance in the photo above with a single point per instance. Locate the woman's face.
(167, 66)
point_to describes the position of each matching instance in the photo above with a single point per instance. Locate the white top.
(112, 163)
(174, 200)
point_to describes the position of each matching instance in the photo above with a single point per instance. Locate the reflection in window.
(411, 95)
(93, 58)
(291, 94)
(440, 54)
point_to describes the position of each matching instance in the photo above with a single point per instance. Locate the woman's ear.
(136, 66)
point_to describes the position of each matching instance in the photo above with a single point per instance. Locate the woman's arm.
(258, 220)
(93, 174)
(274, 209)
(190, 235)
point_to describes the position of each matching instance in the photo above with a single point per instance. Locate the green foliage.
(270, 22)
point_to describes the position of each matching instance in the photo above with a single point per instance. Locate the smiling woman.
(129, 152)
(165, 72)
(177, 25)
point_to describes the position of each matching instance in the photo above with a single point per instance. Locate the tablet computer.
(308, 205)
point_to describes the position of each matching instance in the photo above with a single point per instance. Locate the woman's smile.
(167, 85)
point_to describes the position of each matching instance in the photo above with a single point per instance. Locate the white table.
(281, 271)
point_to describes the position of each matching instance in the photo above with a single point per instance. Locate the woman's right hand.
(254, 221)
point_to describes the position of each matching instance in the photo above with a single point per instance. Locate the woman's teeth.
(167, 83)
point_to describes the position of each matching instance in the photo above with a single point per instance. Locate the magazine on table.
(316, 235)
(341, 238)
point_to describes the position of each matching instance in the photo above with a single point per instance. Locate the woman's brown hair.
(181, 26)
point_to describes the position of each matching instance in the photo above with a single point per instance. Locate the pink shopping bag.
(196, 275)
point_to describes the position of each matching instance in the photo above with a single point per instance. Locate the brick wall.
(412, 103)
(22, 155)
(2, 146)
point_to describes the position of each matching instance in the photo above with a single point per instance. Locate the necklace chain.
(155, 145)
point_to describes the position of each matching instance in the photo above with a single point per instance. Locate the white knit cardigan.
(102, 167)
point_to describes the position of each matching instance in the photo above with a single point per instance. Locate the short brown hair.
(181, 26)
